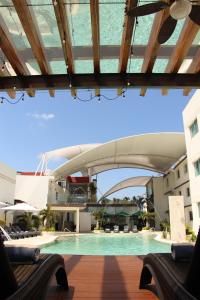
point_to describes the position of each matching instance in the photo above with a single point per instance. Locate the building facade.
(7, 188)
(191, 120)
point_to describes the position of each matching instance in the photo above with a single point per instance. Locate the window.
(167, 182)
(191, 215)
(188, 192)
(179, 193)
(194, 128)
(56, 196)
(178, 174)
(197, 167)
(185, 168)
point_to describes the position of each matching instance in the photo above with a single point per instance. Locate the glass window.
(167, 182)
(179, 193)
(197, 167)
(191, 215)
(188, 192)
(178, 174)
(194, 128)
(185, 168)
(56, 196)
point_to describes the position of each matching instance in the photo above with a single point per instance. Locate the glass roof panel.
(185, 65)
(33, 67)
(134, 65)
(46, 19)
(197, 39)
(109, 65)
(79, 22)
(58, 67)
(160, 65)
(111, 18)
(142, 30)
(13, 24)
(84, 66)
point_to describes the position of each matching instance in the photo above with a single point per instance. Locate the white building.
(174, 183)
(7, 187)
(191, 120)
(37, 190)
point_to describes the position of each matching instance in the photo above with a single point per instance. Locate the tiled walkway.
(102, 277)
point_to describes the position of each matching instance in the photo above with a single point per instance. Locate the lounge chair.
(116, 228)
(135, 229)
(24, 280)
(126, 229)
(174, 280)
(107, 230)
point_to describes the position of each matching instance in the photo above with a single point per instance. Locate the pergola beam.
(64, 30)
(182, 47)
(12, 54)
(193, 68)
(10, 51)
(125, 49)
(63, 27)
(112, 80)
(32, 31)
(94, 13)
(11, 92)
(153, 46)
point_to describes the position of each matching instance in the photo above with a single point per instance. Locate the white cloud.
(43, 116)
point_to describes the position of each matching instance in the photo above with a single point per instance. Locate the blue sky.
(43, 123)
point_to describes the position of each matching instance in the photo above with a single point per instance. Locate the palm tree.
(147, 217)
(93, 191)
(98, 215)
(26, 219)
(47, 216)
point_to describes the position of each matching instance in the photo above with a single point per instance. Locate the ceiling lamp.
(180, 9)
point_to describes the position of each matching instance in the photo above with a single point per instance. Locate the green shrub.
(52, 228)
(188, 229)
(146, 228)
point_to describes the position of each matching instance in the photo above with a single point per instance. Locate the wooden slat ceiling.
(71, 52)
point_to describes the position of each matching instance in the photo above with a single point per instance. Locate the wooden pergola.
(40, 50)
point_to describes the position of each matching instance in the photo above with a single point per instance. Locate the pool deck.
(101, 277)
(31, 242)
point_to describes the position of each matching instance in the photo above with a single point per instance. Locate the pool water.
(107, 244)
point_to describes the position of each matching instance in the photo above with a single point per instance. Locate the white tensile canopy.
(152, 151)
(130, 182)
(20, 207)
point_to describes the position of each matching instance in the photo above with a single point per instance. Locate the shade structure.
(123, 214)
(137, 151)
(129, 182)
(107, 215)
(94, 44)
(20, 207)
(137, 213)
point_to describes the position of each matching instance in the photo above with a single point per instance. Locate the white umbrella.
(3, 203)
(20, 207)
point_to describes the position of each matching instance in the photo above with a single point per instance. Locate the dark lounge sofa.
(174, 280)
(29, 280)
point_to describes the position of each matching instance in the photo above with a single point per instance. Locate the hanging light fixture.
(180, 9)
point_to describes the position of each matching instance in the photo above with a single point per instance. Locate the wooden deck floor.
(101, 277)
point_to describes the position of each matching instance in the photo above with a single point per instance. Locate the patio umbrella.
(123, 214)
(107, 215)
(137, 213)
(2, 203)
(20, 207)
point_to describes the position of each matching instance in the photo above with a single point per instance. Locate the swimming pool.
(107, 244)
